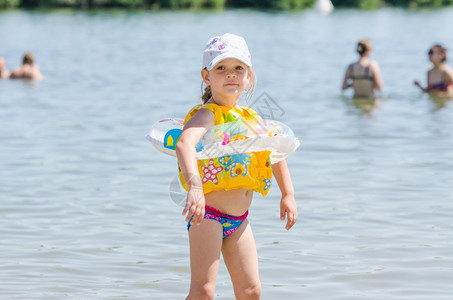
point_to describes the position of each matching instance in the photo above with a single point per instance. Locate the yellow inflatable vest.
(250, 170)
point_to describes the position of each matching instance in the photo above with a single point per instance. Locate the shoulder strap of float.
(249, 113)
(210, 106)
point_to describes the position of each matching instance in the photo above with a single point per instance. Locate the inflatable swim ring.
(229, 138)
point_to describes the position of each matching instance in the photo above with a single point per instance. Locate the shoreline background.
(277, 5)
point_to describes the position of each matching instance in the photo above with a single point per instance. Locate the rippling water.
(85, 206)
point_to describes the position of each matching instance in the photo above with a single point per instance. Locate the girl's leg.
(205, 246)
(241, 259)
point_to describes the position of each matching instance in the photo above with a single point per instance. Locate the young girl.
(217, 205)
(364, 75)
(440, 77)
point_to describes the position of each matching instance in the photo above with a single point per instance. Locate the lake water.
(85, 206)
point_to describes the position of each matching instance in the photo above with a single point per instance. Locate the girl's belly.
(232, 202)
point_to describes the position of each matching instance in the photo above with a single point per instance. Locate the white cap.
(223, 47)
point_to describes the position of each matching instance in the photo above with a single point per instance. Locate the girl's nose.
(231, 74)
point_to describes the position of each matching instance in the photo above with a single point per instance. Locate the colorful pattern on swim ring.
(171, 138)
(210, 172)
(250, 170)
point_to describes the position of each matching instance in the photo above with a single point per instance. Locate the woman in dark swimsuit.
(440, 77)
(364, 75)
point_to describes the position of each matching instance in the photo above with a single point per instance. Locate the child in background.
(364, 75)
(217, 206)
(440, 77)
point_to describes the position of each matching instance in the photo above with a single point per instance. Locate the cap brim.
(224, 56)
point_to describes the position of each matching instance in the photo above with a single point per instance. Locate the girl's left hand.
(288, 210)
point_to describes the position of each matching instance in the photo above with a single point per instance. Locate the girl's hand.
(195, 205)
(288, 210)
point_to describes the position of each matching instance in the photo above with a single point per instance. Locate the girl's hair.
(207, 93)
(28, 58)
(363, 46)
(442, 50)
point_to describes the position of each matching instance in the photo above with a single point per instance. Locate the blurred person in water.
(4, 73)
(440, 76)
(28, 70)
(364, 75)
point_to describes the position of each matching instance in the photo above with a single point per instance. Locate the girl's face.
(228, 78)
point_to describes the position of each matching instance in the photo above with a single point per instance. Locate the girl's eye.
(220, 68)
(239, 68)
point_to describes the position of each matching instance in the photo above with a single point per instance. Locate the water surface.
(85, 205)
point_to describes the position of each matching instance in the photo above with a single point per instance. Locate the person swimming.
(28, 70)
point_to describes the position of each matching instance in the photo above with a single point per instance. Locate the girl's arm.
(185, 151)
(288, 206)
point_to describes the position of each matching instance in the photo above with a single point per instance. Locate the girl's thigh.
(241, 258)
(205, 247)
